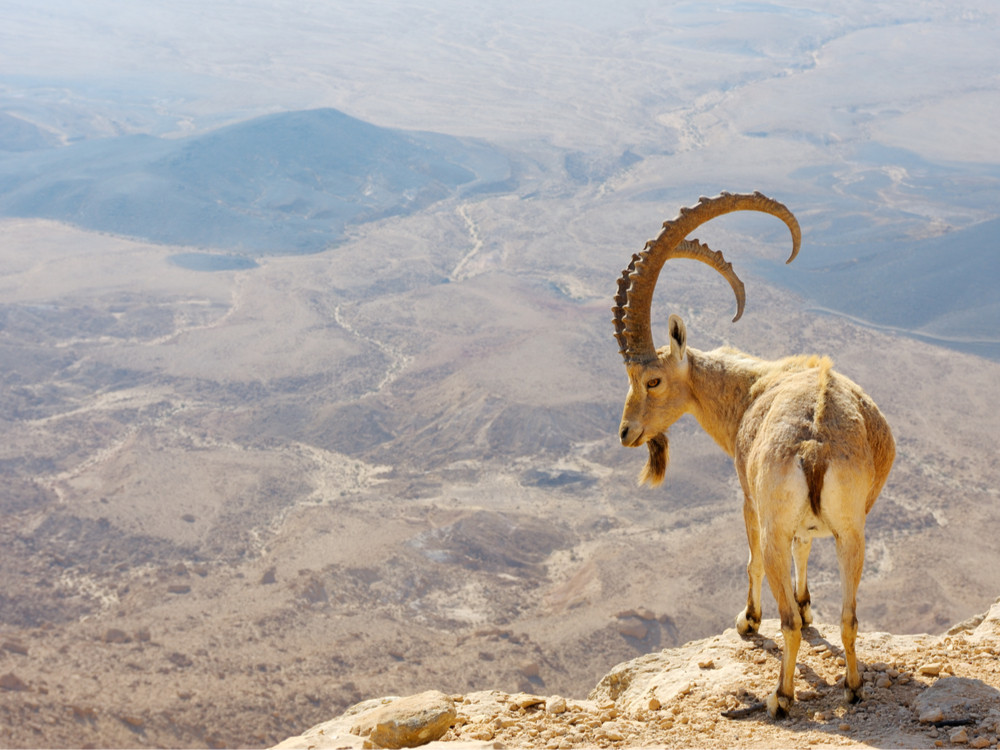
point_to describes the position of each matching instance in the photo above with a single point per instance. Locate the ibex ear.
(678, 337)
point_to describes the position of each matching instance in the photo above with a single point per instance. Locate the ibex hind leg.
(800, 554)
(844, 507)
(778, 565)
(748, 621)
(851, 555)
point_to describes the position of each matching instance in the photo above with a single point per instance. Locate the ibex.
(811, 449)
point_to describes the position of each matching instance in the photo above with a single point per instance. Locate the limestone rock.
(988, 628)
(555, 705)
(669, 674)
(524, 700)
(408, 722)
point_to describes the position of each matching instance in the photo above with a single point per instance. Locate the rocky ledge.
(921, 691)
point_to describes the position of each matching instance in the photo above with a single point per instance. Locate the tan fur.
(812, 452)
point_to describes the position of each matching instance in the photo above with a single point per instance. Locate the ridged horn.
(637, 282)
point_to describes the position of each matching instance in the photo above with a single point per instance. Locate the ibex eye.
(653, 383)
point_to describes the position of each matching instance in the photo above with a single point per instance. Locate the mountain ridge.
(287, 183)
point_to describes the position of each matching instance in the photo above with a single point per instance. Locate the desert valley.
(302, 408)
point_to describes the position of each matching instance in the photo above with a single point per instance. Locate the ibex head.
(658, 379)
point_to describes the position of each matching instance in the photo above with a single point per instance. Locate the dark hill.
(280, 184)
(19, 135)
(940, 289)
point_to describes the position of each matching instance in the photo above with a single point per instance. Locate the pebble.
(932, 669)
(958, 737)
(555, 705)
(612, 732)
(981, 742)
(932, 715)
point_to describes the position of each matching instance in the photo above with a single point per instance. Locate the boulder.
(407, 722)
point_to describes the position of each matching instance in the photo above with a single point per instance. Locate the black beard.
(656, 465)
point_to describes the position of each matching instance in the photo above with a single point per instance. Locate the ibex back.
(811, 449)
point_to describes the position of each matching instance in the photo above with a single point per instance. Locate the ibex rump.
(811, 449)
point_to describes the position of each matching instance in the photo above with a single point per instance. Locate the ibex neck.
(721, 381)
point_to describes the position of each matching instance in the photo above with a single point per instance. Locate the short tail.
(813, 460)
(812, 453)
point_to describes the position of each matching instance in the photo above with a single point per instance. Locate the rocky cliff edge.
(921, 691)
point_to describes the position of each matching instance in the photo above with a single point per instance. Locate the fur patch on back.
(824, 364)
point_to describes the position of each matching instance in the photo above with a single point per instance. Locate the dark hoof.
(746, 625)
(806, 614)
(778, 705)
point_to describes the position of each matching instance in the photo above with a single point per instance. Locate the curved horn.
(635, 287)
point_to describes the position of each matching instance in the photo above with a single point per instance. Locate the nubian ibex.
(811, 449)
